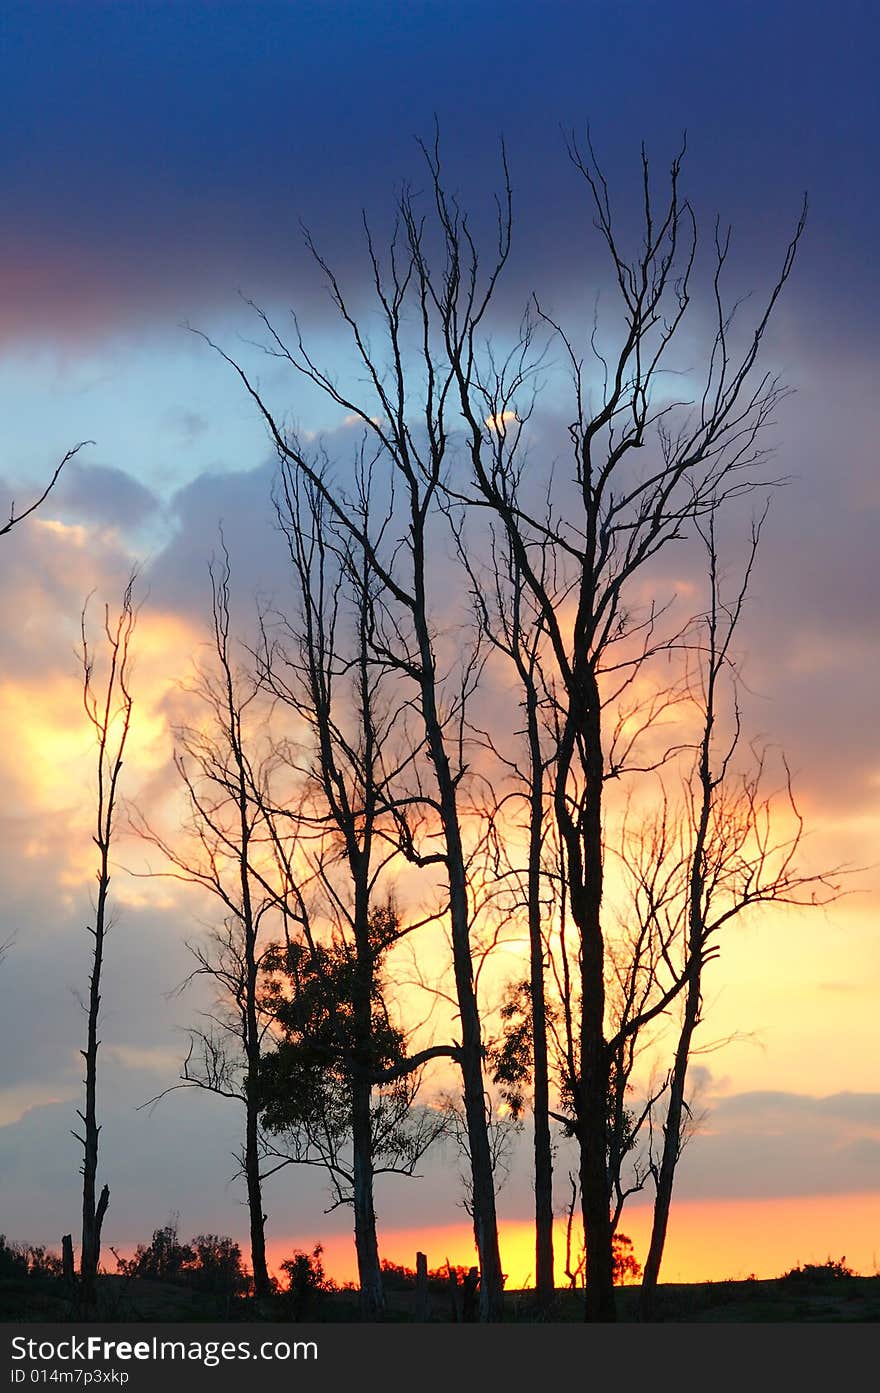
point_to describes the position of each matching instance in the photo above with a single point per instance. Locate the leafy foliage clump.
(511, 1057)
(334, 1036)
(311, 993)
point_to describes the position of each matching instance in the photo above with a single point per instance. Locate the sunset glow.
(269, 430)
(715, 1242)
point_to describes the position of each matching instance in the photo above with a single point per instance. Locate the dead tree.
(108, 708)
(581, 547)
(505, 615)
(725, 854)
(347, 774)
(226, 851)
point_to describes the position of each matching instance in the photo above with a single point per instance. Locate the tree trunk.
(482, 1180)
(262, 1284)
(693, 1000)
(668, 1162)
(592, 1135)
(672, 1128)
(251, 1041)
(372, 1296)
(68, 1272)
(544, 1275)
(585, 864)
(93, 1212)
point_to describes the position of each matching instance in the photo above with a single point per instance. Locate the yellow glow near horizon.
(709, 1240)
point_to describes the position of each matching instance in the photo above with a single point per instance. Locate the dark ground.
(802, 1298)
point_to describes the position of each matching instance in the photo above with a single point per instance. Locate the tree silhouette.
(108, 709)
(728, 851)
(445, 420)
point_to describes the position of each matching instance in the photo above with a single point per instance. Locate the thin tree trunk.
(544, 1274)
(93, 1212)
(585, 864)
(483, 1186)
(421, 1301)
(262, 1284)
(482, 1180)
(251, 1021)
(592, 1135)
(68, 1272)
(372, 1296)
(691, 1019)
(669, 1159)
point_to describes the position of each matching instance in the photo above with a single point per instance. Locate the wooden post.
(454, 1291)
(421, 1287)
(67, 1268)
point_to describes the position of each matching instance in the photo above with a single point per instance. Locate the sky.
(158, 164)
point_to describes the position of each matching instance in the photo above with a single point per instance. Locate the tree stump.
(421, 1312)
(469, 1289)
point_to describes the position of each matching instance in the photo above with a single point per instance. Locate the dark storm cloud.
(167, 158)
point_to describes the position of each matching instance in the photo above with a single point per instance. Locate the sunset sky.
(157, 160)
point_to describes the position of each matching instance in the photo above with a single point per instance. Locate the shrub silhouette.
(13, 1259)
(819, 1271)
(209, 1263)
(307, 1284)
(626, 1265)
(20, 1260)
(164, 1259)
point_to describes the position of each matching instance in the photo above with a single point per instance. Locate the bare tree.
(506, 616)
(226, 850)
(605, 525)
(108, 708)
(644, 469)
(728, 851)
